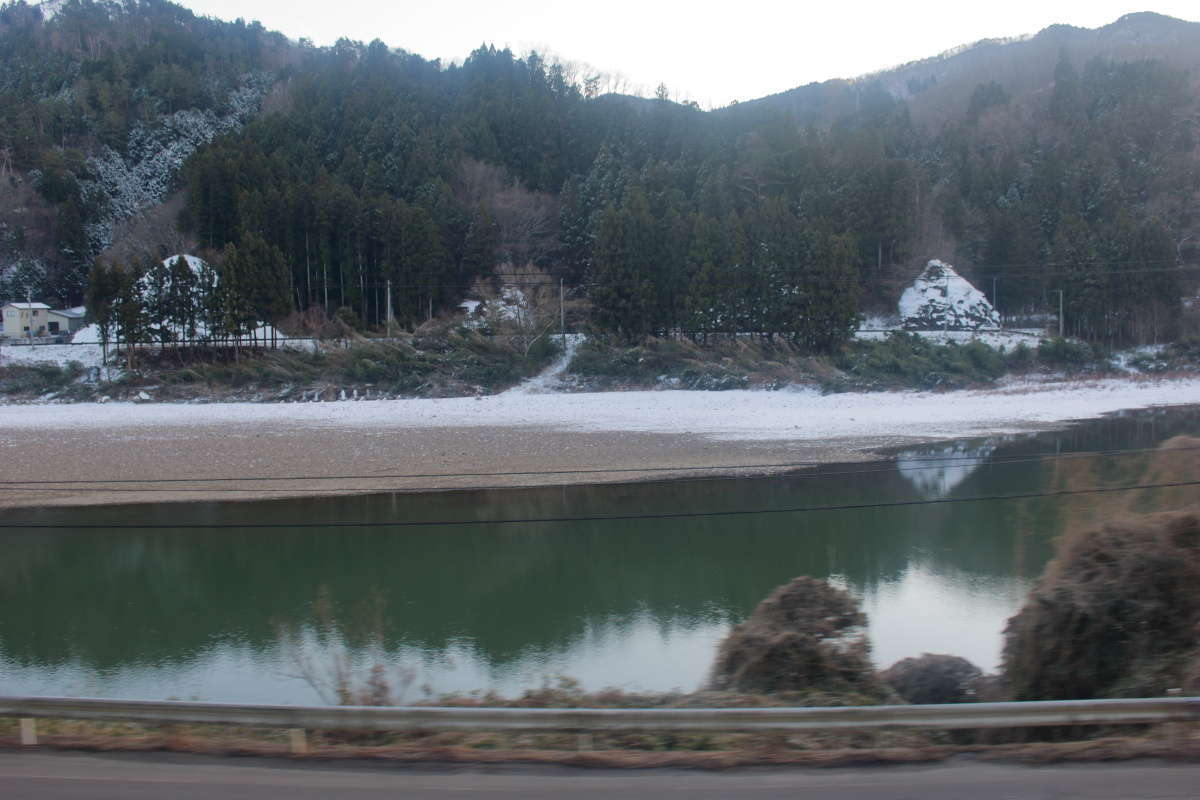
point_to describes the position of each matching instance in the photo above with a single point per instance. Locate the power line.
(600, 517)
(915, 464)
(735, 277)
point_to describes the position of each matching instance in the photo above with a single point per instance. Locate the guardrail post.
(28, 731)
(299, 741)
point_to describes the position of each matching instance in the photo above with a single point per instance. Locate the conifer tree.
(129, 311)
(265, 278)
(184, 296)
(103, 288)
(703, 302)
(623, 287)
(235, 310)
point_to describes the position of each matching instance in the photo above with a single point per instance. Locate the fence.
(585, 720)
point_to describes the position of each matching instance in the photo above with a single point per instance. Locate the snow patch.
(1006, 339)
(86, 353)
(51, 8)
(548, 381)
(88, 334)
(853, 418)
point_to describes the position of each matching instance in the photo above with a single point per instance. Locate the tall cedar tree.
(623, 285)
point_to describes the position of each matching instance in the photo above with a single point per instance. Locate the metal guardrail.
(407, 718)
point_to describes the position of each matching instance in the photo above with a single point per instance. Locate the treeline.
(680, 222)
(1089, 189)
(366, 180)
(175, 302)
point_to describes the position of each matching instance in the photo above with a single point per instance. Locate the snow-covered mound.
(197, 264)
(88, 334)
(941, 299)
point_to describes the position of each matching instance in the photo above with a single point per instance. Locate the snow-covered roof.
(941, 299)
(79, 312)
(27, 306)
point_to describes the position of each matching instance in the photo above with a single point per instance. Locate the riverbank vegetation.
(447, 359)
(898, 361)
(433, 362)
(1114, 615)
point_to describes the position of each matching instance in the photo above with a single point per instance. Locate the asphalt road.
(45, 775)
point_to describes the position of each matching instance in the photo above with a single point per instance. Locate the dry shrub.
(934, 678)
(807, 636)
(1115, 614)
(314, 323)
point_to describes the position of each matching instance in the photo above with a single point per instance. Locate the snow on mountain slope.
(50, 8)
(145, 174)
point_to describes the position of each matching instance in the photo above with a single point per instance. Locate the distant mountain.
(938, 88)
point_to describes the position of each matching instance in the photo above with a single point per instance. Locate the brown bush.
(1115, 614)
(934, 678)
(807, 636)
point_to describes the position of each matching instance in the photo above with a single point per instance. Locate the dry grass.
(1175, 742)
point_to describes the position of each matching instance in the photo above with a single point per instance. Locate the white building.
(26, 319)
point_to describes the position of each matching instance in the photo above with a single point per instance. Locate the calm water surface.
(241, 614)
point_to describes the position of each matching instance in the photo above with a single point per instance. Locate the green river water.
(224, 614)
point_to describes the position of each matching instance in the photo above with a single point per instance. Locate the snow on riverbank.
(738, 415)
(88, 354)
(1007, 339)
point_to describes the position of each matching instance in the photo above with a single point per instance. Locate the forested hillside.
(335, 174)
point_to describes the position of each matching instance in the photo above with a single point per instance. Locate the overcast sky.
(705, 51)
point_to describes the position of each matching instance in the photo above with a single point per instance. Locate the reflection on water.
(639, 604)
(933, 480)
(931, 609)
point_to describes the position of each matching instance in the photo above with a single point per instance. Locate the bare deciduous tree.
(527, 221)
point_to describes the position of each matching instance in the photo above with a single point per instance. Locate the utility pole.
(562, 314)
(389, 308)
(29, 312)
(946, 296)
(996, 301)
(1060, 312)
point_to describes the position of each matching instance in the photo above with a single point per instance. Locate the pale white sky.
(710, 52)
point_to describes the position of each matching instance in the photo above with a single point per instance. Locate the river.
(469, 593)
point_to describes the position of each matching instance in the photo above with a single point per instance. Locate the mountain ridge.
(1131, 36)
